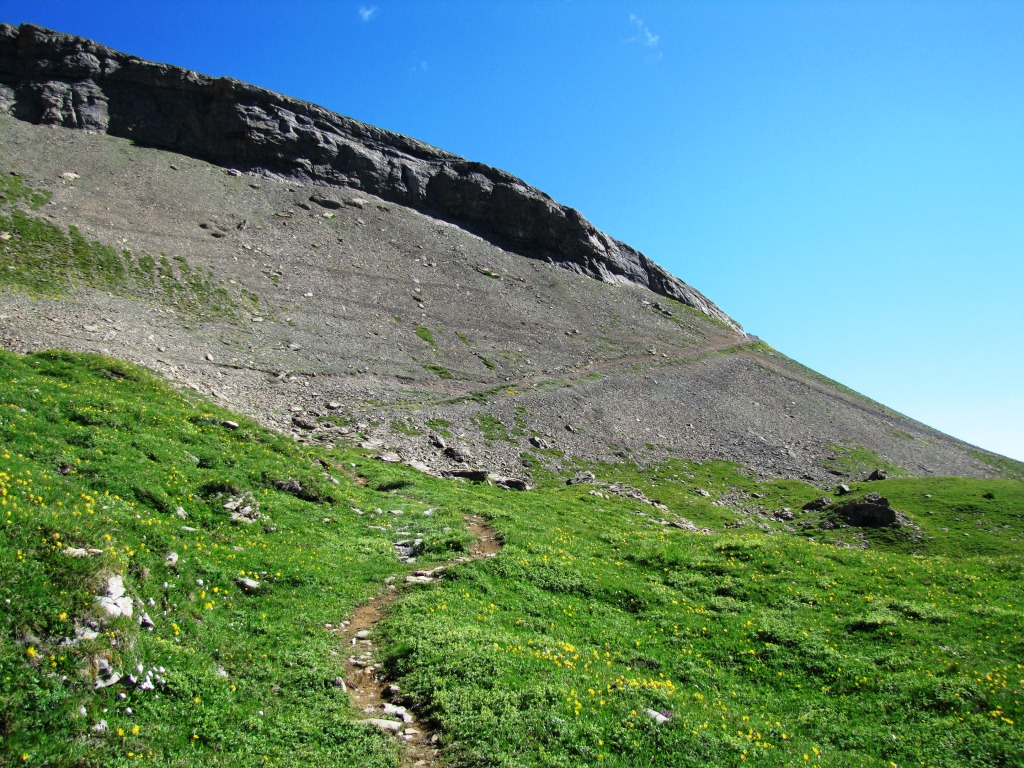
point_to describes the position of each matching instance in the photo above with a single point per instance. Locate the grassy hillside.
(770, 641)
(101, 456)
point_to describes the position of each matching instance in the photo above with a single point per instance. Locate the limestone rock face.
(57, 79)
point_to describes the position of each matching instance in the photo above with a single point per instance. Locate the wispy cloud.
(367, 13)
(642, 34)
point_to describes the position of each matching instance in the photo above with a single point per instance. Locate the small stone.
(247, 584)
(105, 682)
(385, 725)
(229, 424)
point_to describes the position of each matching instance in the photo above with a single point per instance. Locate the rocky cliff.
(56, 79)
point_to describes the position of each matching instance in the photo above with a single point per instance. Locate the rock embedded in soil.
(115, 603)
(393, 726)
(873, 511)
(247, 584)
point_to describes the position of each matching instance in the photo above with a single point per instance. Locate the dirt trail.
(379, 700)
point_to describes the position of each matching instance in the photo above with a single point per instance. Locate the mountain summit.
(338, 280)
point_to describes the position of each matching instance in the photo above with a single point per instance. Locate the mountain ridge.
(52, 78)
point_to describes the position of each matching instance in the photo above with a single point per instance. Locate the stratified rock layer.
(55, 79)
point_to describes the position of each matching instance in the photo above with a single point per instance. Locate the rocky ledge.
(55, 79)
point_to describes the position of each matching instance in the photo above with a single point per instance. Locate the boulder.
(458, 454)
(287, 486)
(872, 511)
(509, 483)
(325, 202)
(818, 504)
(115, 603)
(580, 478)
(476, 475)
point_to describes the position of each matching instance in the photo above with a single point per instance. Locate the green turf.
(771, 641)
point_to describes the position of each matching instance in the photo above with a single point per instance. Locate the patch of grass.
(438, 370)
(441, 426)
(424, 333)
(491, 427)
(489, 363)
(404, 427)
(1009, 468)
(14, 191)
(38, 258)
(854, 461)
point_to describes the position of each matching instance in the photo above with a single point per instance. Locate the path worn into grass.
(379, 700)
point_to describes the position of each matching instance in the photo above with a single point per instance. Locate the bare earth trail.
(604, 367)
(376, 697)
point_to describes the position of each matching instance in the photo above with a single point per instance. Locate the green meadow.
(600, 635)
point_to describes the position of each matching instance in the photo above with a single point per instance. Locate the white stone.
(385, 725)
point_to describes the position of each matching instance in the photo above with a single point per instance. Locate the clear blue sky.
(846, 179)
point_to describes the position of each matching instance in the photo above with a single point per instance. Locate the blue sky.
(846, 179)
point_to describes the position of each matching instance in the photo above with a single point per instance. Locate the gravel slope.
(376, 322)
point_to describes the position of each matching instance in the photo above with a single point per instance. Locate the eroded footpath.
(377, 698)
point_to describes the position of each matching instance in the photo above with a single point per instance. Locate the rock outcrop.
(872, 511)
(51, 78)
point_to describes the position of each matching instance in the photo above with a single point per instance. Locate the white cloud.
(367, 13)
(642, 33)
